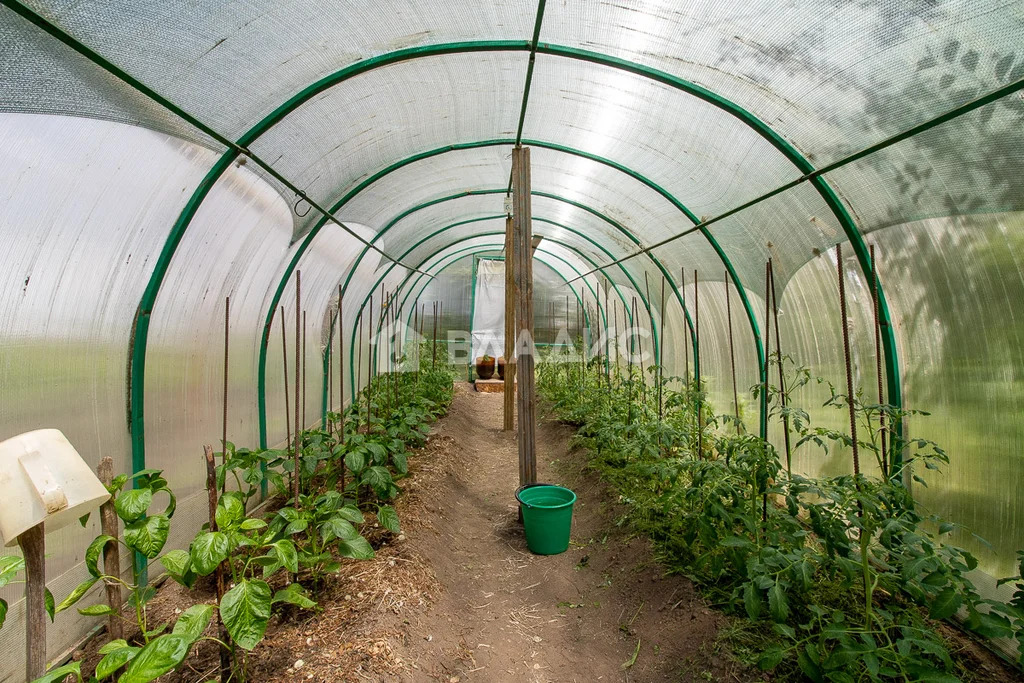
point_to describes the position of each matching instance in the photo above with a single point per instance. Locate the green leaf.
(157, 658)
(358, 549)
(287, 554)
(176, 562)
(230, 509)
(193, 621)
(10, 565)
(60, 673)
(778, 605)
(3, 612)
(336, 527)
(388, 518)
(76, 594)
(945, 604)
(401, 463)
(355, 461)
(352, 514)
(378, 478)
(770, 658)
(809, 665)
(148, 535)
(209, 549)
(112, 646)
(296, 595)
(252, 524)
(752, 601)
(132, 504)
(115, 658)
(96, 610)
(245, 611)
(48, 603)
(93, 552)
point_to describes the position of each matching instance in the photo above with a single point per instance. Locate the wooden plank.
(33, 548)
(510, 330)
(522, 247)
(111, 552)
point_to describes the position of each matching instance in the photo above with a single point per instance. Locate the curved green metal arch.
(459, 254)
(583, 256)
(137, 349)
(610, 221)
(603, 314)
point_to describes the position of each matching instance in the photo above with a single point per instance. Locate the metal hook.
(296, 208)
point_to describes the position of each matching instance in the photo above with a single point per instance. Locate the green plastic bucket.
(547, 517)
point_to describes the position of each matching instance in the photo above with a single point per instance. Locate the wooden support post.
(211, 489)
(510, 330)
(522, 246)
(33, 548)
(111, 551)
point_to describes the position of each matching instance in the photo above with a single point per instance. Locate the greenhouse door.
(487, 321)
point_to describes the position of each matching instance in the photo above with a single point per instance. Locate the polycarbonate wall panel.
(43, 76)
(429, 179)
(811, 334)
(232, 64)
(414, 106)
(702, 155)
(966, 166)
(957, 311)
(85, 208)
(831, 77)
(233, 247)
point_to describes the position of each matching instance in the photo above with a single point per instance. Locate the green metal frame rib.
(420, 276)
(140, 336)
(583, 256)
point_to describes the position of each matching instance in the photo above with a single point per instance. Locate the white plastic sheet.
(488, 333)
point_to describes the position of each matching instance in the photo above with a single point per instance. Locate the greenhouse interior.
(622, 340)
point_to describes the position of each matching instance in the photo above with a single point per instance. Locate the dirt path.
(503, 614)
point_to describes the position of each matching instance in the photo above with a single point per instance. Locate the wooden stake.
(341, 386)
(284, 353)
(305, 335)
(433, 353)
(686, 335)
(782, 378)
(359, 368)
(849, 365)
(696, 364)
(509, 409)
(369, 364)
(33, 549)
(523, 249)
(298, 361)
(109, 524)
(211, 490)
(224, 432)
(661, 358)
(878, 361)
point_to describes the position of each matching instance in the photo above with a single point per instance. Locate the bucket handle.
(527, 486)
